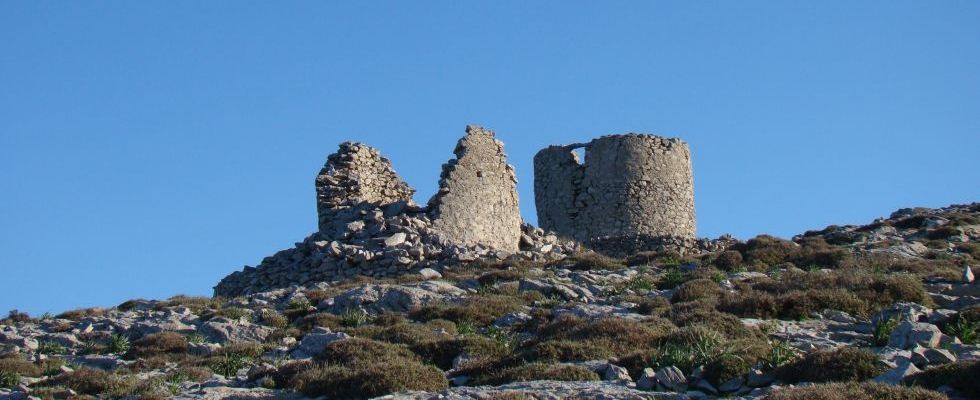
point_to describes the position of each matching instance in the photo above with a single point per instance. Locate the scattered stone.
(224, 330)
(672, 378)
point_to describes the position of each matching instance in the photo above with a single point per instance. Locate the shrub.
(228, 364)
(479, 309)
(767, 250)
(9, 379)
(19, 366)
(367, 380)
(841, 364)
(590, 261)
(157, 344)
(568, 350)
(97, 382)
(726, 367)
(883, 330)
(15, 316)
(354, 318)
(652, 306)
(537, 371)
(354, 349)
(78, 314)
(618, 335)
(728, 260)
(273, 319)
(441, 352)
(854, 391)
(697, 289)
(961, 376)
(726, 324)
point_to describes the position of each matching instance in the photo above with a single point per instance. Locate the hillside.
(854, 309)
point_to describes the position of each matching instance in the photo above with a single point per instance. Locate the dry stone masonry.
(369, 225)
(477, 199)
(632, 192)
(354, 176)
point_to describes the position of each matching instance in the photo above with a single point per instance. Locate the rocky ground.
(887, 310)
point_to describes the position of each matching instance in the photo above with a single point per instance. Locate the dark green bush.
(697, 290)
(837, 365)
(368, 378)
(537, 371)
(157, 344)
(964, 376)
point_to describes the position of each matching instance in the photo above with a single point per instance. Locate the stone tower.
(632, 192)
(355, 175)
(477, 199)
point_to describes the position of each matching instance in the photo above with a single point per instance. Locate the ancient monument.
(632, 192)
(477, 199)
(356, 175)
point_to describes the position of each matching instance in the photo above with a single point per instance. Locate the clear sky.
(150, 148)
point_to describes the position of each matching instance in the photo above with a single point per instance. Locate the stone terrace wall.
(477, 199)
(355, 175)
(632, 192)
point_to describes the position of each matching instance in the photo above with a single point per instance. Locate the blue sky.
(150, 148)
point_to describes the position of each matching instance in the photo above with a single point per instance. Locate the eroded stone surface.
(631, 192)
(477, 199)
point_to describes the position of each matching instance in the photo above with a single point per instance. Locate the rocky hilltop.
(886, 310)
(460, 299)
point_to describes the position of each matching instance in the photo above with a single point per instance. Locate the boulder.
(224, 330)
(908, 334)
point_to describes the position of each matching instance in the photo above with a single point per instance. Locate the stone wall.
(632, 192)
(477, 199)
(356, 175)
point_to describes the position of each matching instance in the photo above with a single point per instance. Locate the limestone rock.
(399, 298)
(672, 378)
(224, 330)
(908, 334)
(315, 341)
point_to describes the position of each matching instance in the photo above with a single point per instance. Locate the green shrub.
(854, 391)
(726, 324)
(97, 382)
(273, 319)
(842, 364)
(19, 366)
(441, 352)
(479, 309)
(652, 305)
(883, 330)
(728, 260)
(590, 261)
(354, 317)
(697, 290)
(537, 371)
(9, 379)
(568, 350)
(157, 344)
(962, 376)
(618, 335)
(368, 379)
(725, 368)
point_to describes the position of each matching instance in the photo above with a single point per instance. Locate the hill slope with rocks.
(887, 310)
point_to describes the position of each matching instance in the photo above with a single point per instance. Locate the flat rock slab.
(542, 390)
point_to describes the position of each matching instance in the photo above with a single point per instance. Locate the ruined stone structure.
(369, 225)
(355, 175)
(632, 192)
(477, 199)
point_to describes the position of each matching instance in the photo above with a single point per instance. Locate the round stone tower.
(632, 192)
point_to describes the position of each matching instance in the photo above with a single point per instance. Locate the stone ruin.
(477, 199)
(631, 193)
(355, 176)
(369, 225)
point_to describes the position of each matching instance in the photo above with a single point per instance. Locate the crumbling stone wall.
(632, 192)
(477, 199)
(356, 175)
